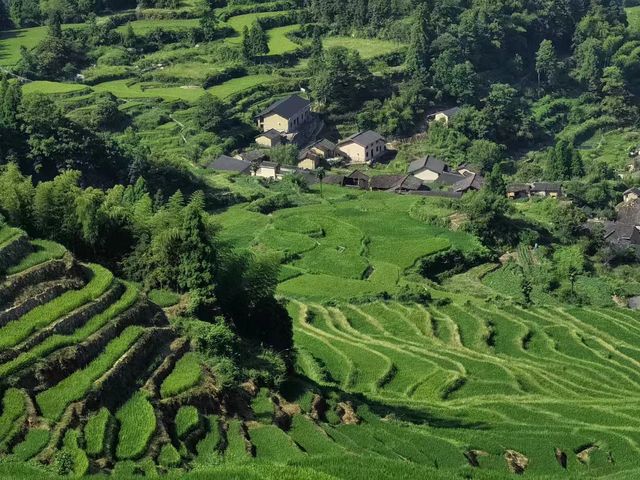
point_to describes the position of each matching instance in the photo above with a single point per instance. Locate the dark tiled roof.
(621, 234)
(635, 190)
(451, 112)
(333, 179)
(287, 107)
(471, 182)
(357, 174)
(546, 187)
(450, 178)
(269, 165)
(270, 134)
(430, 163)
(229, 164)
(363, 138)
(253, 156)
(518, 187)
(386, 182)
(629, 213)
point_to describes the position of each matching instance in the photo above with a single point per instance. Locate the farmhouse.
(545, 189)
(447, 116)
(428, 169)
(225, 163)
(622, 234)
(269, 170)
(270, 138)
(471, 183)
(518, 190)
(253, 156)
(313, 156)
(395, 183)
(285, 116)
(363, 147)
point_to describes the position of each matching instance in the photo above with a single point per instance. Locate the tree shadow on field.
(297, 386)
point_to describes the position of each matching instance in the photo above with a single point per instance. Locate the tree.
(485, 154)
(589, 62)
(417, 59)
(321, 173)
(495, 181)
(487, 217)
(505, 109)
(129, 38)
(616, 101)
(547, 64)
(564, 162)
(255, 41)
(209, 25)
(210, 112)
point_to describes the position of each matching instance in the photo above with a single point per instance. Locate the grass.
(169, 456)
(207, 449)
(186, 374)
(57, 341)
(262, 406)
(137, 424)
(71, 445)
(143, 27)
(633, 13)
(279, 42)
(41, 316)
(44, 251)
(164, 298)
(51, 88)
(367, 47)
(13, 408)
(95, 432)
(187, 420)
(54, 401)
(33, 443)
(273, 444)
(240, 21)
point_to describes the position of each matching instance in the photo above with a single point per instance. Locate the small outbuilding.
(631, 194)
(518, 190)
(546, 189)
(471, 183)
(270, 138)
(447, 116)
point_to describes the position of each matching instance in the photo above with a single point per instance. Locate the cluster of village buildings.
(285, 119)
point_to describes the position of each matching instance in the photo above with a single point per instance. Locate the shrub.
(185, 375)
(187, 420)
(72, 459)
(137, 424)
(270, 204)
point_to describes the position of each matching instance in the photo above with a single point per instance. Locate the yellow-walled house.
(270, 138)
(363, 147)
(285, 116)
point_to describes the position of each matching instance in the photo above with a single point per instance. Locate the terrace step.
(44, 293)
(140, 361)
(67, 360)
(178, 348)
(14, 251)
(66, 324)
(21, 285)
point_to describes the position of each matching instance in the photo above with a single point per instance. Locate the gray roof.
(546, 187)
(253, 155)
(428, 163)
(287, 107)
(270, 134)
(229, 164)
(363, 138)
(358, 174)
(450, 178)
(395, 182)
(451, 112)
(326, 144)
(470, 182)
(635, 190)
(518, 187)
(621, 234)
(629, 212)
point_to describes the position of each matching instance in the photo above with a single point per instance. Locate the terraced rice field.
(367, 47)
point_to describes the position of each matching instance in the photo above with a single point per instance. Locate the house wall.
(360, 154)
(426, 175)
(308, 164)
(267, 172)
(267, 142)
(298, 120)
(441, 117)
(629, 197)
(276, 122)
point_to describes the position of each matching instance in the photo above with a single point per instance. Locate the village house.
(270, 138)
(428, 169)
(363, 147)
(447, 116)
(252, 156)
(470, 183)
(395, 183)
(537, 189)
(269, 170)
(285, 116)
(225, 163)
(316, 154)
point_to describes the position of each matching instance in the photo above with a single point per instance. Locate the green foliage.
(262, 406)
(164, 298)
(71, 459)
(96, 431)
(169, 456)
(137, 424)
(185, 375)
(187, 420)
(33, 443)
(54, 401)
(13, 409)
